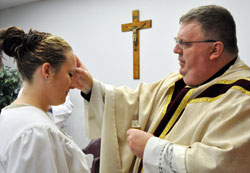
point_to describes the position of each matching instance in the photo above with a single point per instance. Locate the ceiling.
(13, 3)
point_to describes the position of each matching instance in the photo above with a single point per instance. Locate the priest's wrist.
(86, 96)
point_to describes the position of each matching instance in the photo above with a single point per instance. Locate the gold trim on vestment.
(211, 99)
(242, 89)
(177, 113)
(171, 92)
(230, 81)
(205, 99)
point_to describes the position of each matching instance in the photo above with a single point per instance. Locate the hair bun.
(30, 40)
(12, 39)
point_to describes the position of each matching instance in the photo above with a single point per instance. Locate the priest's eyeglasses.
(183, 44)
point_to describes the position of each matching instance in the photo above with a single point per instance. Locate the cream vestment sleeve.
(95, 108)
(162, 156)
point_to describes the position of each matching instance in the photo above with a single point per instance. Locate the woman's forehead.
(70, 59)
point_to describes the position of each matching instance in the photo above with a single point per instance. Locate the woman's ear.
(47, 71)
(217, 50)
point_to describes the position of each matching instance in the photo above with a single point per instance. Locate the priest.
(196, 120)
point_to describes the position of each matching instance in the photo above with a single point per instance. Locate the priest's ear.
(217, 50)
(47, 71)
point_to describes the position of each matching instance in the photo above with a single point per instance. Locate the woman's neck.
(34, 97)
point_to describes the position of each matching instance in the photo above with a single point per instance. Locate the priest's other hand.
(82, 79)
(137, 140)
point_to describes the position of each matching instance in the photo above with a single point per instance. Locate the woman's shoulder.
(21, 121)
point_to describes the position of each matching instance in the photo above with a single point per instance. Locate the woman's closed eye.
(70, 75)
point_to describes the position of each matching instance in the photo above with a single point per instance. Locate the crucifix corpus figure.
(135, 27)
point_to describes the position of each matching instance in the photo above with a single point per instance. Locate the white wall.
(93, 28)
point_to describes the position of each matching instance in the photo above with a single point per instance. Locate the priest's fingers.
(79, 64)
(137, 140)
(82, 79)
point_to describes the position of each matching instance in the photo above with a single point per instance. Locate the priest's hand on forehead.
(82, 78)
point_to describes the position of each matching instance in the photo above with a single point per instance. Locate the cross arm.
(139, 25)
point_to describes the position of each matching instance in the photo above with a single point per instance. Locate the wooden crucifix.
(135, 27)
